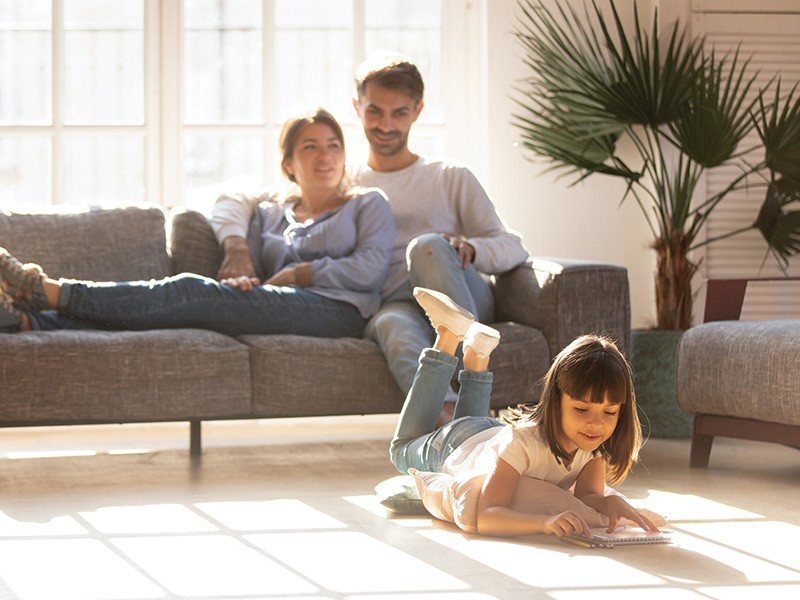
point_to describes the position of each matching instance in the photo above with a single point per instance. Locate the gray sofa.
(97, 377)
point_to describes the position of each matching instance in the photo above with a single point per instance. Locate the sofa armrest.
(192, 244)
(566, 298)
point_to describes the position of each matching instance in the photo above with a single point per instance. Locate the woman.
(322, 253)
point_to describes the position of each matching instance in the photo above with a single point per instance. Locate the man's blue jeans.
(400, 328)
(416, 441)
(189, 300)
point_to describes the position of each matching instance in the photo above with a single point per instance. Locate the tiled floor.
(285, 510)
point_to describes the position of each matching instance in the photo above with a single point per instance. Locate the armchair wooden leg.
(701, 445)
(195, 438)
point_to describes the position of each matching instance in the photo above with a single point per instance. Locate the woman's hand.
(617, 508)
(243, 283)
(286, 276)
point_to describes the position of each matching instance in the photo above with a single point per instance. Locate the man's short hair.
(390, 71)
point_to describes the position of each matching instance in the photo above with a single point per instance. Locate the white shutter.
(767, 30)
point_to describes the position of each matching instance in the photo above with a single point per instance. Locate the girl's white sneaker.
(442, 310)
(481, 339)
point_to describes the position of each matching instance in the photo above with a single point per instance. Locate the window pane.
(103, 62)
(220, 163)
(413, 28)
(223, 62)
(314, 56)
(104, 170)
(25, 66)
(314, 67)
(25, 176)
(313, 14)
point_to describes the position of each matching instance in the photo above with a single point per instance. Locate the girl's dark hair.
(588, 369)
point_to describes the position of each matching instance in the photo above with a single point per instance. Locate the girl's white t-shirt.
(521, 447)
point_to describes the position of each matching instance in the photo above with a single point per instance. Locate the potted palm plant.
(683, 110)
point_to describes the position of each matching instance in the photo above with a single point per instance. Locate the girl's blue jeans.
(417, 443)
(189, 300)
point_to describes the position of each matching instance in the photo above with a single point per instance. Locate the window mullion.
(57, 130)
(152, 102)
(171, 106)
(269, 87)
(359, 32)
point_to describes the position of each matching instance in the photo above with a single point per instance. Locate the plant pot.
(653, 359)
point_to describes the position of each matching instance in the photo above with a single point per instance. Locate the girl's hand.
(616, 509)
(567, 524)
(243, 282)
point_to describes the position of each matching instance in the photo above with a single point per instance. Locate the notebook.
(625, 535)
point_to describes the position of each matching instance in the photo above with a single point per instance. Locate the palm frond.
(717, 118)
(779, 227)
(778, 126)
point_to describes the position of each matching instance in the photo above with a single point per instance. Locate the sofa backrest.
(115, 244)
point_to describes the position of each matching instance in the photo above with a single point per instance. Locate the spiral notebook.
(627, 535)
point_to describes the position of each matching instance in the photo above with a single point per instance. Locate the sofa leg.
(195, 439)
(701, 445)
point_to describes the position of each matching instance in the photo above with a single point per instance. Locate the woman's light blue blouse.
(348, 248)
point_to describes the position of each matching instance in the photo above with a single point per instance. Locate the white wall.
(585, 221)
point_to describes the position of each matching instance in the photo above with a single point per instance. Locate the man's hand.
(466, 253)
(237, 261)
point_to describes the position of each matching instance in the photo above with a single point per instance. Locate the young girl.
(584, 425)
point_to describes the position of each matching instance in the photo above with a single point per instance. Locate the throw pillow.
(399, 495)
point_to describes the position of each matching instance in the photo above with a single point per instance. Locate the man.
(447, 231)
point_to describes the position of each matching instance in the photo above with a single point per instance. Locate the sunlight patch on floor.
(541, 566)
(773, 592)
(210, 565)
(148, 519)
(771, 541)
(50, 454)
(682, 507)
(329, 560)
(276, 515)
(64, 525)
(71, 569)
(635, 593)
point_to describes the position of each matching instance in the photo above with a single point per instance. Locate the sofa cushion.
(745, 369)
(518, 364)
(296, 376)
(61, 377)
(119, 244)
(192, 244)
(356, 379)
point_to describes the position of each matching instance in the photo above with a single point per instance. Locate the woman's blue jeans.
(417, 443)
(189, 300)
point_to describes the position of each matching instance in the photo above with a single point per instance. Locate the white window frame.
(463, 130)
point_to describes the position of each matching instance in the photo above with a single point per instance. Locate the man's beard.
(387, 149)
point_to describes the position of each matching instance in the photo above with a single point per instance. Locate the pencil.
(587, 543)
(579, 542)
